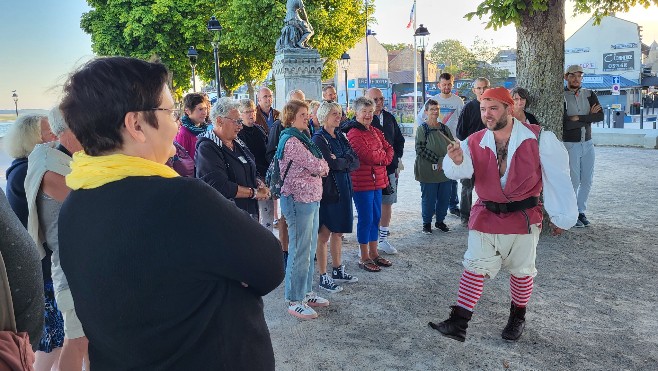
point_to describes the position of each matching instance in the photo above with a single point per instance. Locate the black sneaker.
(338, 274)
(583, 219)
(327, 283)
(455, 212)
(442, 226)
(427, 228)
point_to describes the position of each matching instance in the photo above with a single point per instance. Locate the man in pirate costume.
(512, 162)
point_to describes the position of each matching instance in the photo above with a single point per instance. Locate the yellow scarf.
(89, 172)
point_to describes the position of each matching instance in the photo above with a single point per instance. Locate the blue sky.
(42, 42)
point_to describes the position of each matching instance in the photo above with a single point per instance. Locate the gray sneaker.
(328, 284)
(583, 220)
(579, 224)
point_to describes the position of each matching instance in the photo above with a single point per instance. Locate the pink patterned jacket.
(304, 178)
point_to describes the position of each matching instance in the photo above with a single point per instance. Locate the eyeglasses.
(235, 121)
(172, 111)
(378, 99)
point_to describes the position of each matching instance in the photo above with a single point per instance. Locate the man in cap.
(581, 108)
(512, 163)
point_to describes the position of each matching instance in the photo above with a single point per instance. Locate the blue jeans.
(303, 220)
(454, 201)
(434, 199)
(369, 208)
(581, 164)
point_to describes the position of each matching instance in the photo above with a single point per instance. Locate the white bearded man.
(512, 163)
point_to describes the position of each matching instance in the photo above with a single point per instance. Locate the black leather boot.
(515, 323)
(455, 326)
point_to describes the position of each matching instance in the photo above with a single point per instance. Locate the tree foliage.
(503, 13)
(463, 62)
(144, 28)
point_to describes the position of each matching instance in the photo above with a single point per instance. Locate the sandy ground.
(593, 308)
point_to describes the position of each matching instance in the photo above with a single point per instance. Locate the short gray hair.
(57, 123)
(325, 109)
(361, 102)
(222, 107)
(295, 91)
(245, 104)
(23, 135)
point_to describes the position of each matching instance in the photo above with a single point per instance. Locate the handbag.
(330, 193)
(15, 350)
(182, 162)
(389, 190)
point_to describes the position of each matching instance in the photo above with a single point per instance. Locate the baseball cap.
(573, 69)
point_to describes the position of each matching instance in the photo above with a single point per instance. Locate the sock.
(383, 234)
(520, 290)
(470, 290)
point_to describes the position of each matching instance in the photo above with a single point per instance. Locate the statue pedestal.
(297, 69)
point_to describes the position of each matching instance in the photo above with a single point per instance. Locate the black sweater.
(470, 120)
(393, 136)
(256, 140)
(155, 266)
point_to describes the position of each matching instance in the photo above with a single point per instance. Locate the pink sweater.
(304, 179)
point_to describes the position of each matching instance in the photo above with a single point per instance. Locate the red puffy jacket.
(374, 154)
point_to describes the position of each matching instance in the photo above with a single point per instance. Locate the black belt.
(509, 207)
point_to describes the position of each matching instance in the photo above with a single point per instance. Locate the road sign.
(616, 80)
(615, 89)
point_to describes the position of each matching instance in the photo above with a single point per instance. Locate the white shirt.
(559, 196)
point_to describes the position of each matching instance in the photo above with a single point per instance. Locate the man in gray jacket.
(581, 108)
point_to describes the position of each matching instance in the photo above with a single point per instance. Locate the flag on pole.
(411, 15)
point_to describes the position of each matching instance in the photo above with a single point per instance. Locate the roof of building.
(508, 55)
(401, 77)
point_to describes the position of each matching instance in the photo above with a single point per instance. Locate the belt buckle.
(502, 208)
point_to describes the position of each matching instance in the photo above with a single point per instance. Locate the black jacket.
(224, 170)
(16, 188)
(273, 140)
(470, 120)
(393, 136)
(171, 260)
(256, 140)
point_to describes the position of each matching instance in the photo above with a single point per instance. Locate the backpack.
(273, 178)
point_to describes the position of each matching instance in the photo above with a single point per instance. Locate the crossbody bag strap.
(7, 319)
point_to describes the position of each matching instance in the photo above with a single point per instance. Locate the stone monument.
(296, 65)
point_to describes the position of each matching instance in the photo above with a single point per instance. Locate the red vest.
(523, 181)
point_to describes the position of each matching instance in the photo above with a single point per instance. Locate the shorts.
(487, 253)
(391, 199)
(72, 325)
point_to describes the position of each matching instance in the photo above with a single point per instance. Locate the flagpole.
(415, 88)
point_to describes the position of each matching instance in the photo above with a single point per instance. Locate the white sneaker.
(301, 310)
(313, 300)
(386, 247)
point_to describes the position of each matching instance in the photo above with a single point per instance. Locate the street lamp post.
(422, 33)
(345, 64)
(15, 97)
(214, 26)
(192, 54)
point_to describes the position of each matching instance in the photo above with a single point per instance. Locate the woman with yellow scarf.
(160, 278)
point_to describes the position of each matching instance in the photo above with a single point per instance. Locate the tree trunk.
(250, 90)
(540, 63)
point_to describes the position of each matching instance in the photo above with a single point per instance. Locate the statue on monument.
(296, 30)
